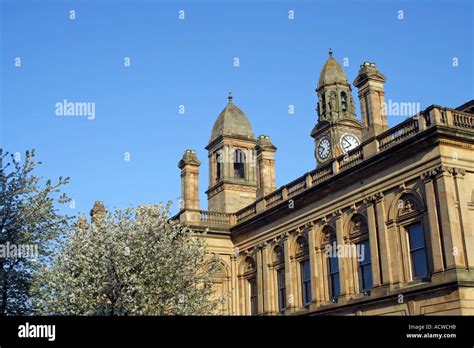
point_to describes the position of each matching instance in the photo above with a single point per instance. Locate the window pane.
(419, 263)
(333, 264)
(415, 234)
(306, 271)
(366, 278)
(365, 267)
(306, 282)
(366, 252)
(335, 285)
(281, 290)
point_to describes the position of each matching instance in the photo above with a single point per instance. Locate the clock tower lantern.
(338, 131)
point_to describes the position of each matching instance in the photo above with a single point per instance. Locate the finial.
(330, 52)
(230, 97)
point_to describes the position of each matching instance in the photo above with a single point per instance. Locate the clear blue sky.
(190, 62)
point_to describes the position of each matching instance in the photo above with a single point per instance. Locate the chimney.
(370, 83)
(189, 166)
(81, 224)
(98, 212)
(266, 182)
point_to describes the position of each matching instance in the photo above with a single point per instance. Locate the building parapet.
(432, 116)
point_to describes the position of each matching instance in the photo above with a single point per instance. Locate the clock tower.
(338, 131)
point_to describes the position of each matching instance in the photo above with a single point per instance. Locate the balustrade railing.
(215, 217)
(398, 133)
(432, 116)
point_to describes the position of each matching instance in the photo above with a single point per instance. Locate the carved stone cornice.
(426, 177)
(403, 187)
(378, 197)
(285, 235)
(457, 171)
(368, 201)
(324, 221)
(440, 171)
(298, 232)
(337, 214)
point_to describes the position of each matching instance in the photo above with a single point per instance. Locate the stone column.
(313, 263)
(260, 295)
(467, 225)
(435, 240)
(450, 224)
(235, 290)
(373, 242)
(343, 269)
(322, 278)
(266, 279)
(388, 258)
(290, 300)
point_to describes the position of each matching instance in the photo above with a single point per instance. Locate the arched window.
(239, 164)
(323, 102)
(343, 101)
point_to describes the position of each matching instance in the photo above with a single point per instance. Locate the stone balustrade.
(432, 116)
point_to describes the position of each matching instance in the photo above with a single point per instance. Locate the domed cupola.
(332, 73)
(334, 92)
(232, 122)
(232, 161)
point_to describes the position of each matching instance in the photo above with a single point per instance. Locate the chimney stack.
(98, 212)
(370, 83)
(189, 166)
(266, 182)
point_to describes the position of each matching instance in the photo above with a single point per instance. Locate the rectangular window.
(218, 166)
(306, 282)
(281, 290)
(334, 287)
(253, 296)
(417, 251)
(365, 266)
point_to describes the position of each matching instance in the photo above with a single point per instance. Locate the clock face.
(348, 142)
(324, 148)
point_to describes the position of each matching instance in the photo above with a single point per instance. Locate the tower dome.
(332, 73)
(232, 122)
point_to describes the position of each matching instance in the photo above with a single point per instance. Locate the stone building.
(384, 224)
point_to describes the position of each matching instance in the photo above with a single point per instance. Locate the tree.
(29, 226)
(129, 262)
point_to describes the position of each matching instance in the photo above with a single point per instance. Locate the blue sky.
(190, 62)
